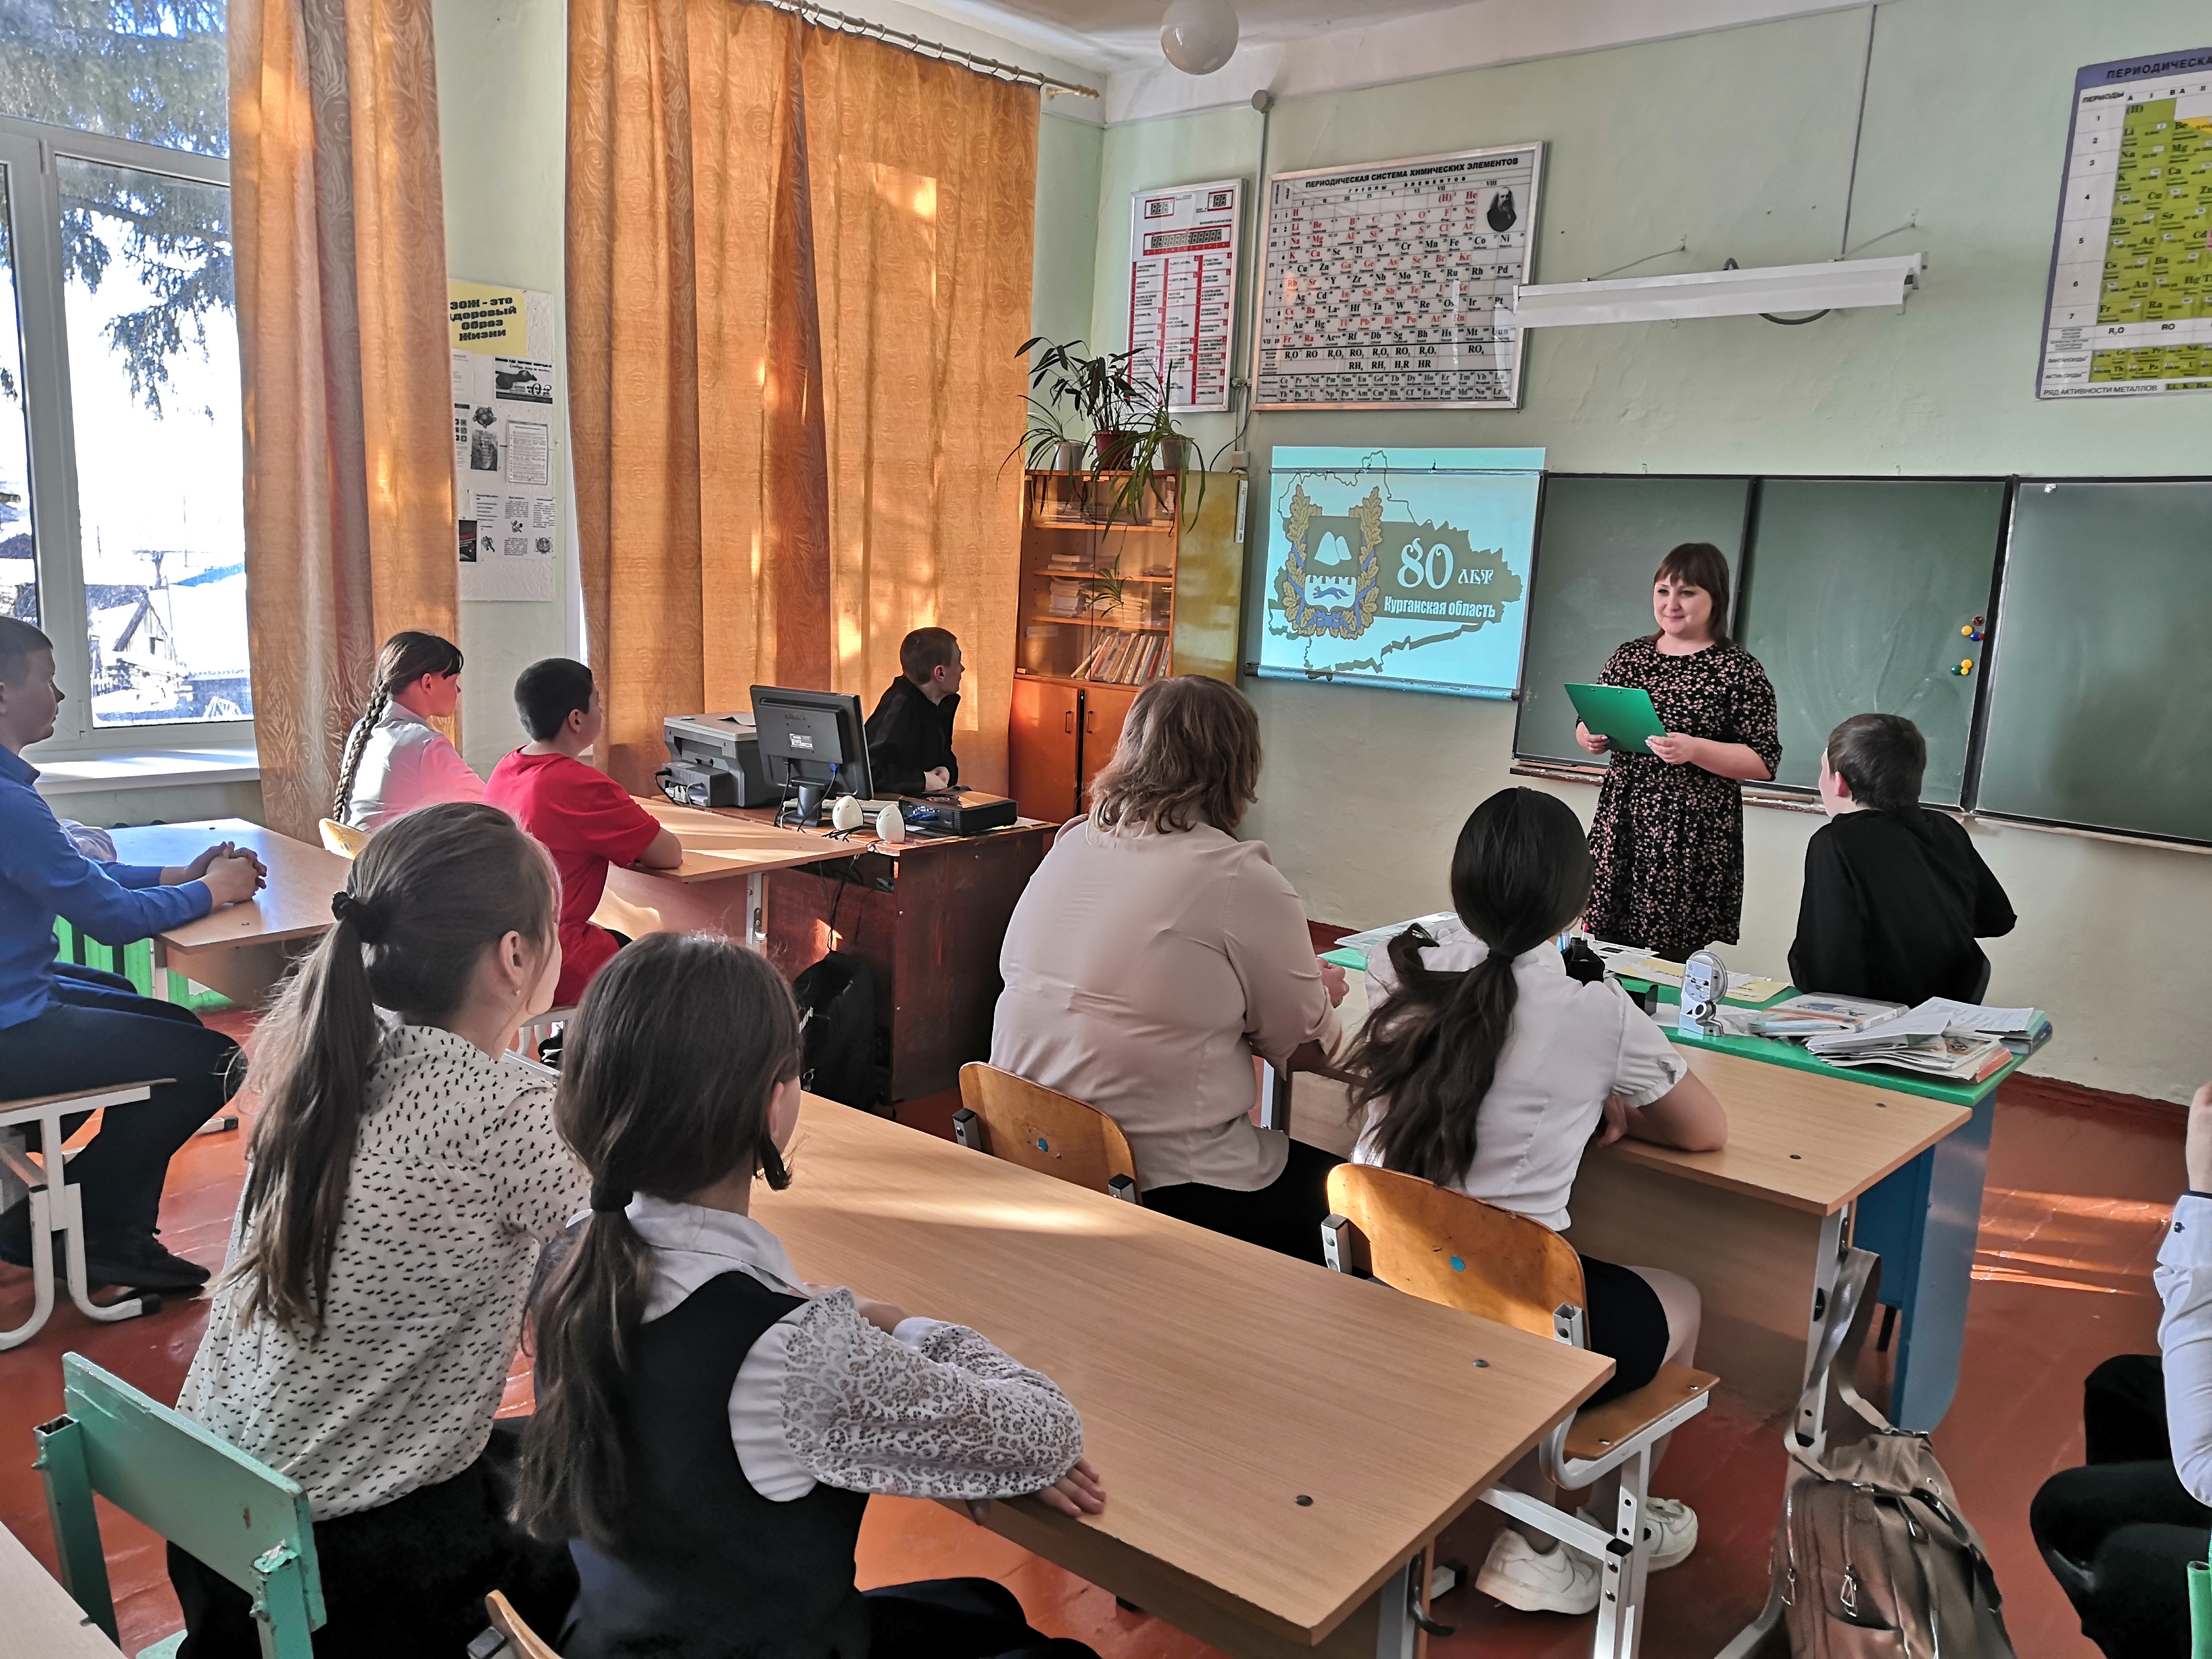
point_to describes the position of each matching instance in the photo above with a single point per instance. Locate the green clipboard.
(1623, 713)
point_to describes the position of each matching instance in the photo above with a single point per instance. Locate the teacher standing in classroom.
(1668, 840)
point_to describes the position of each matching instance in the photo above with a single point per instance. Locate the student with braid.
(1484, 1067)
(395, 759)
(709, 1425)
(403, 1174)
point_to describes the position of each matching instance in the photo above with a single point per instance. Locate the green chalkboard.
(1856, 592)
(1597, 545)
(2100, 689)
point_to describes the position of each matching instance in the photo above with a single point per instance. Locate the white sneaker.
(1672, 1526)
(1519, 1575)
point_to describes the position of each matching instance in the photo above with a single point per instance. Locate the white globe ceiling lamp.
(1199, 36)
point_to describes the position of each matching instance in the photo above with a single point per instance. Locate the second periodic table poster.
(1183, 290)
(1390, 285)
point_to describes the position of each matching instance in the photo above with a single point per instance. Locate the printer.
(714, 760)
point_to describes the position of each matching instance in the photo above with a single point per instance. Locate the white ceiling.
(1295, 48)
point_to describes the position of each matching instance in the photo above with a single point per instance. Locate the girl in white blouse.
(395, 759)
(402, 1175)
(709, 1425)
(1485, 1067)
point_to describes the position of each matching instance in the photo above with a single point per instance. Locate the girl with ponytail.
(709, 1425)
(403, 1173)
(395, 759)
(1485, 1067)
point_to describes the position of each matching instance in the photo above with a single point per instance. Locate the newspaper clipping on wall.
(504, 402)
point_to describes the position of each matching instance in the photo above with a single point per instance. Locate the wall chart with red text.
(1183, 290)
(1390, 285)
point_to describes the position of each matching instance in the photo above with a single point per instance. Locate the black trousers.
(407, 1577)
(1285, 1216)
(99, 1030)
(2119, 1534)
(957, 1619)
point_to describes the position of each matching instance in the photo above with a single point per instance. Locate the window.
(122, 520)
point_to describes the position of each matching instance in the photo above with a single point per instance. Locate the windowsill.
(147, 769)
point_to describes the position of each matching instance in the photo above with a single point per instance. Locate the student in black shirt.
(1895, 895)
(910, 734)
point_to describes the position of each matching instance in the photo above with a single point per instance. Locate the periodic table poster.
(1183, 290)
(2129, 311)
(1390, 285)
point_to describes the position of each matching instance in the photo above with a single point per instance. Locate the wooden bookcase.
(1080, 654)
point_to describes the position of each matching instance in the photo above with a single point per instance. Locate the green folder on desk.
(1623, 713)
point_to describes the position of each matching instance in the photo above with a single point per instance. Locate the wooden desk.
(41, 1621)
(1758, 1226)
(244, 950)
(927, 915)
(1219, 1383)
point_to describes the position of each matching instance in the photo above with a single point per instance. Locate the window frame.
(30, 151)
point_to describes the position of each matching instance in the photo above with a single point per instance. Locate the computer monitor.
(814, 743)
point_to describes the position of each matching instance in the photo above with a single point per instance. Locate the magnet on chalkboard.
(1501, 215)
(1965, 667)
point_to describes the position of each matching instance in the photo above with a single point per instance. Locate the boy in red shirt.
(586, 820)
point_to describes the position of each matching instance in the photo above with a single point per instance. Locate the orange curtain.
(339, 216)
(799, 264)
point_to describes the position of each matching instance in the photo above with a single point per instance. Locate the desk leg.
(1274, 1098)
(1932, 1326)
(756, 908)
(1812, 1407)
(161, 985)
(1396, 1634)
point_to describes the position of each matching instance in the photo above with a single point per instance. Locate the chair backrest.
(1042, 1129)
(342, 839)
(522, 1641)
(237, 1517)
(1443, 1245)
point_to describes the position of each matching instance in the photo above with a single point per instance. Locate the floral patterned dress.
(1667, 841)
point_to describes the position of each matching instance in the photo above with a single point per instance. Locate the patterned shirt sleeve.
(541, 1184)
(1757, 724)
(950, 1416)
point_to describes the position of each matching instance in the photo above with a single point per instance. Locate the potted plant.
(1133, 436)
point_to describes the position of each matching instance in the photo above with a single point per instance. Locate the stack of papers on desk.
(1940, 1038)
(1745, 987)
(1812, 1014)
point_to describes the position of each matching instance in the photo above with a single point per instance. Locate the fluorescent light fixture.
(1833, 284)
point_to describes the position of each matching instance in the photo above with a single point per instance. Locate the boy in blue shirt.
(76, 1028)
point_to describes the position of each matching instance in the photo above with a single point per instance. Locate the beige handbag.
(1872, 1557)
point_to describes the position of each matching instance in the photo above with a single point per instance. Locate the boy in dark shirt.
(910, 734)
(1895, 895)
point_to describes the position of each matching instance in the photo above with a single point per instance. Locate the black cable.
(1795, 322)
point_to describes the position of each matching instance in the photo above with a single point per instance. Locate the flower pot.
(1115, 449)
(1067, 457)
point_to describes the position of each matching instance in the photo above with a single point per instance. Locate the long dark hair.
(406, 657)
(666, 1082)
(1700, 564)
(1520, 873)
(427, 894)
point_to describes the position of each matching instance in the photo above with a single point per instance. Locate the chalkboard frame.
(2064, 826)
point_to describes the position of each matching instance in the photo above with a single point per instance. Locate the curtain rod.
(850, 25)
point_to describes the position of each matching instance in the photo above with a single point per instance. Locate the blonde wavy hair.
(1190, 753)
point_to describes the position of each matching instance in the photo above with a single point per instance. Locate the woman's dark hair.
(1882, 757)
(406, 657)
(1189, 751)
(666, 1078)
(1520, 873)
(429, 894)
(1700, 564)
(550, 690)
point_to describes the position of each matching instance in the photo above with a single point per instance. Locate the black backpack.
(843, 1054)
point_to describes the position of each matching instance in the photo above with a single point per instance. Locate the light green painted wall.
(1740, 139)
(502, 83)
(1066, 227)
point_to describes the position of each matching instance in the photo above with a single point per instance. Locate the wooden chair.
(1042, 1129)
(520, 1641)
(1443, 1245)
(238, 1517)
(338, 838)
(58, 1206)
